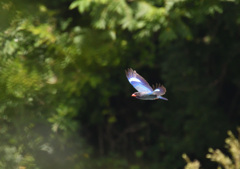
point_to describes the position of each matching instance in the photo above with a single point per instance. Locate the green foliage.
(35, 124)
(233, 146)
(222, 159)
(190, 164)
(142, 17)
(65, 101)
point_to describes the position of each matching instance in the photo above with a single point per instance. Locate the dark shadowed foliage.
(65, 101)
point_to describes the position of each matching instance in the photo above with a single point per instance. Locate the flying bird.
(145, 91)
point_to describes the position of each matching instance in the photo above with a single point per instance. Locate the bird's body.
(144, 96)
(145, 91)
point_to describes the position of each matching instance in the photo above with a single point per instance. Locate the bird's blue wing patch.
(138, 82)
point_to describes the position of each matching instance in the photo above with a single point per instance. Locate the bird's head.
(137, 94)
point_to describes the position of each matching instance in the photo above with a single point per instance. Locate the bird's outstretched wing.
(137, 81)
(159, 89)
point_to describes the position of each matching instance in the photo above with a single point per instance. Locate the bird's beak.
(133, 95)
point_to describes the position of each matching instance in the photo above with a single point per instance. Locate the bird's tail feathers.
(163, 98)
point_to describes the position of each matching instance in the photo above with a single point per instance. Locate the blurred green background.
(65, 102)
